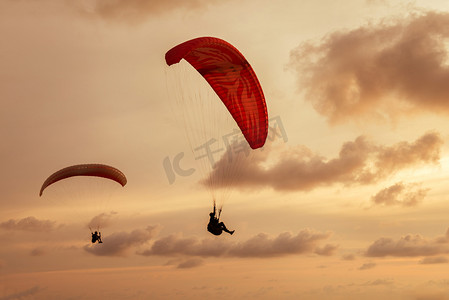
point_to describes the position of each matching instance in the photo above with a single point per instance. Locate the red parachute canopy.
(97, 170)
(232, 78)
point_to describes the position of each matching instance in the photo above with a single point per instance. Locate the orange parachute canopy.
(97, 170)
(233, 80)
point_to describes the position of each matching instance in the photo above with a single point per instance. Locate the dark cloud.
(261, 245)
(400, 194)
(28, 224)
(359, 162)
(409, 246)
(394, 67)
(120, 243)
(133, 11)
(434, 260)
(367, 266)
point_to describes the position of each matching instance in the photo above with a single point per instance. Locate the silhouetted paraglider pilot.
(96, 236)
(215, 226)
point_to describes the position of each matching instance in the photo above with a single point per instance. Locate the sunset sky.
(347, 200)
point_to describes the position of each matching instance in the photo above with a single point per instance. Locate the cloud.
(28, 224)
(387, 69)
(327, 250)
(190, 263)
(39, 251)
(185, 263)
(434, 260)
(175, 244)
(367, 266)
(285, 243)
(376, 2)
(431, 295)
(261, 245)
(120, 243)
(409, 246)
(298, 168)
(349, 256)
(378, 282)
(400, 194)
(101, 221)
(22, 295)
(133, 11)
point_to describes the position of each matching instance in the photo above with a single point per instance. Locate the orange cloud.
(190, 263)
(434, 260)
(326, 250)
(349, 256)
(25, 294)
(367, 266)
(101, 221)
(400, 194)
(28, 224)
(383, 70)
(133, 11)
(359, 162)
(261, 245)
(409, 245)
(38, 251)
(120, 243)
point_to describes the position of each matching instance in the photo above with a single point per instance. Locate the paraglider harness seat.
(96, 236)
(215, 229)
(215, 226)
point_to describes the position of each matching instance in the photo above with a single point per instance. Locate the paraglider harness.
(96, 236)
(213, 226)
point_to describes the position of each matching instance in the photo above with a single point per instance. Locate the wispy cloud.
(145, 243)
(120, 243)
(348, 256)
(185, 263)
(430, 295)
(133, 11)
(102, 220)
(261, 245)
(190, 263)
(434, 260)
(28, 224)
(400, 194)
(378, 282)
(359, 162)
(367, 266)
(38, 251)
(409, 245)
(26, 294)
(397, 66)
(326, 250)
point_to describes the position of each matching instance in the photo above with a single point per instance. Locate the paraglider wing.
(97, 170)
(233, 80)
